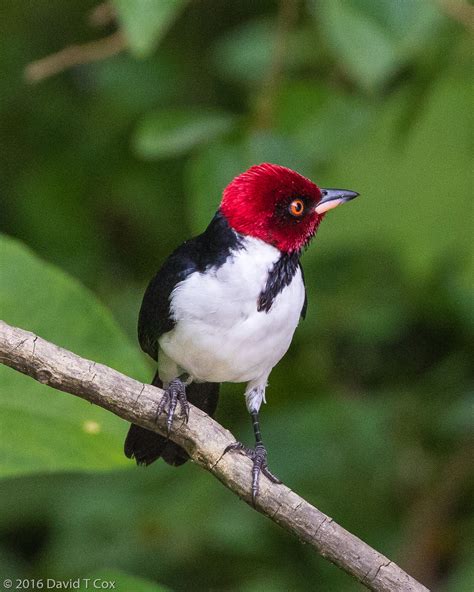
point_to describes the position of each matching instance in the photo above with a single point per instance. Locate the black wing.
(305, 303)
(210, 249)
(155, 315)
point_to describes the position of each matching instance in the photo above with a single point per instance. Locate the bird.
(225, 304)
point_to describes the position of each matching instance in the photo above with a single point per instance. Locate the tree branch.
(75, 55)
(205, 441)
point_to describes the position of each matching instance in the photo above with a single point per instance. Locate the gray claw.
(174, 394)
(258, 456)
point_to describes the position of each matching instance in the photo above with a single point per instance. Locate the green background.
(107, 166)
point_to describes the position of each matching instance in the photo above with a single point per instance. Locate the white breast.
(219, 335)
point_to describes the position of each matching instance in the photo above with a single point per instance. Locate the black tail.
(146, 446)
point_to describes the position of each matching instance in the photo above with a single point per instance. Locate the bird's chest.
(220, 334)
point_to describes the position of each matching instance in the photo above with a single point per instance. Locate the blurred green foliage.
(38, 297)
(108, 166)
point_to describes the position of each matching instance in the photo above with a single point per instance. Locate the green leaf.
(124, 581)
(43, 429)
(245, 53)
(319, 121)
(364, 47)
(171, 133)
(373, 39)
(145, 22)
(414, 195)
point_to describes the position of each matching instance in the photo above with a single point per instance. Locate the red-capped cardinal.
(224, 306)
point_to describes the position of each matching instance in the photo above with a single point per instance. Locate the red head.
(278, 205)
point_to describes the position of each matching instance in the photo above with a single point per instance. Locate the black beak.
(334, 197)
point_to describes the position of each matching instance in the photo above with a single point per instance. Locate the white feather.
(219, 335)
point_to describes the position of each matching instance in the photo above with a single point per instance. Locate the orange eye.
(296, 207)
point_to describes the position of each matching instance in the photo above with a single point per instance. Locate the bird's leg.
(175, 393)
(257, 455)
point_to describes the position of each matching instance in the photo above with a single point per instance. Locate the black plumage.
(210, 249)
(279, 277)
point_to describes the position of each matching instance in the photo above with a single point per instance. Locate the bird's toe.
(258, 456)
(174, 394)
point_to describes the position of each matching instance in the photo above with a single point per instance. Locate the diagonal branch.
(75, 55)
(205, 440)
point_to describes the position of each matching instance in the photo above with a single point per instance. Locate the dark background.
(107, 166)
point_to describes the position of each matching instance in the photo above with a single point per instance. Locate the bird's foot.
(174, 394)
(258, 456)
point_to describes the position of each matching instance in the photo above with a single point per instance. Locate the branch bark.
(205, 440)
